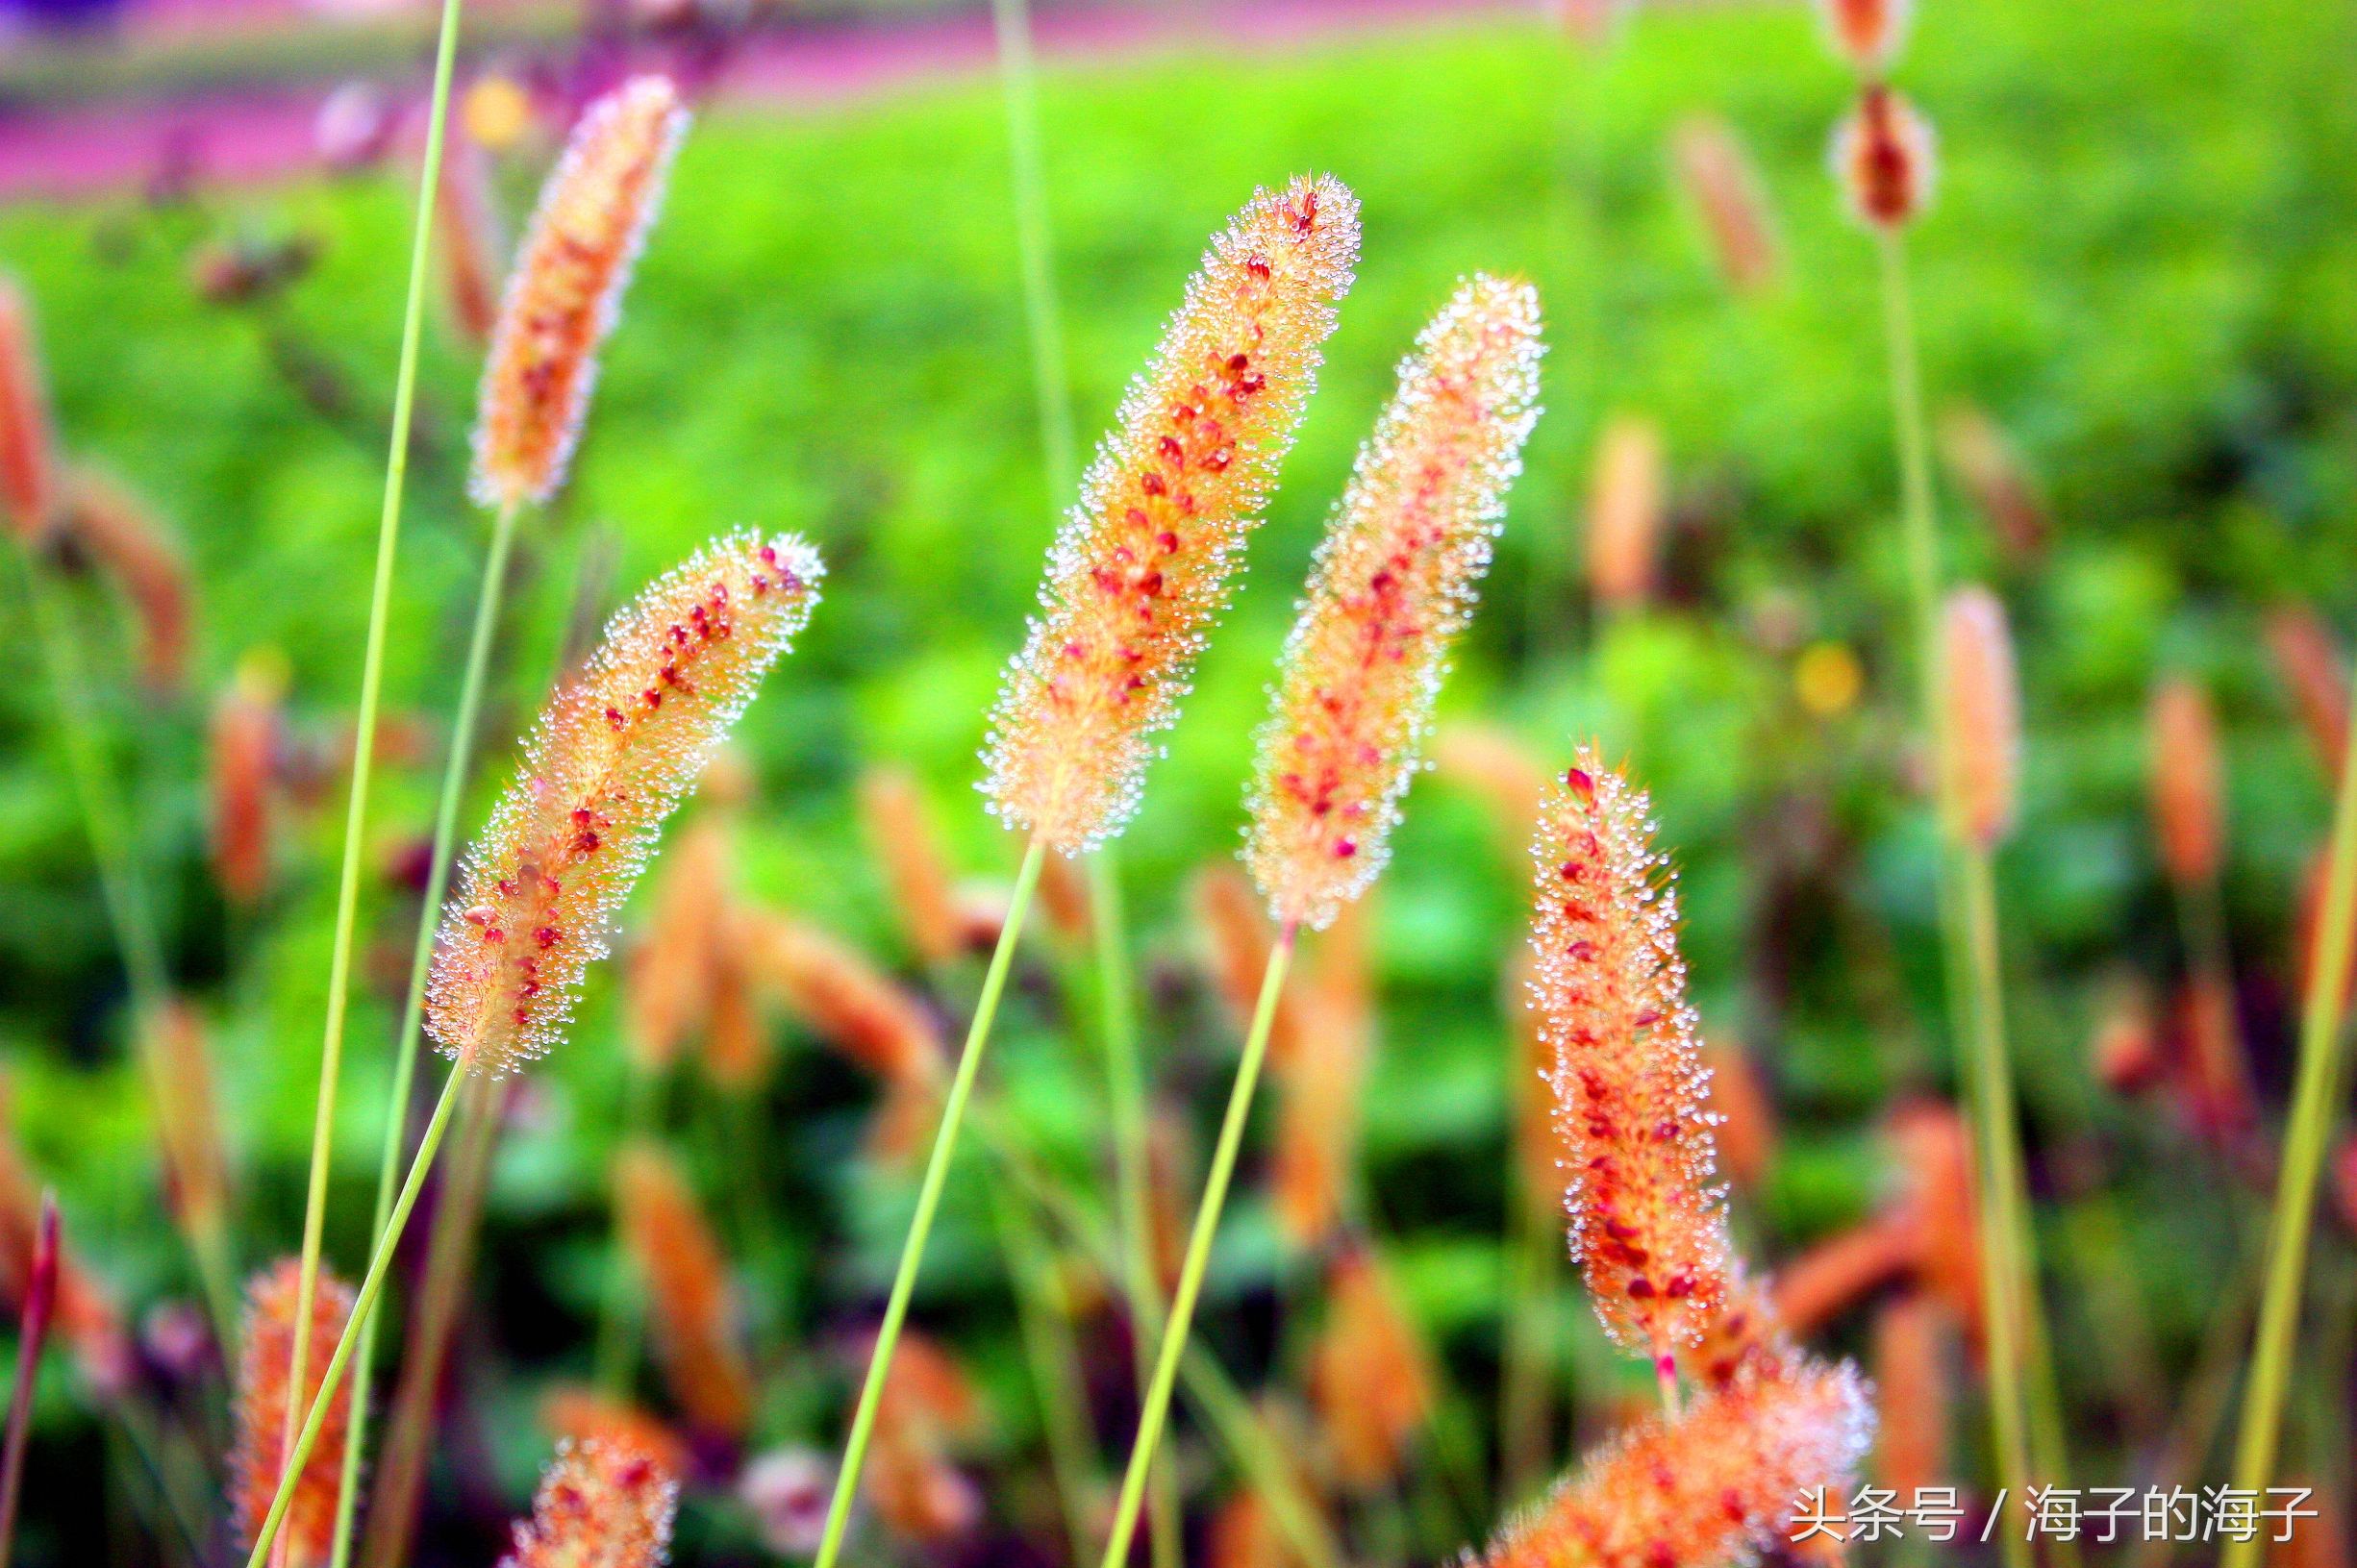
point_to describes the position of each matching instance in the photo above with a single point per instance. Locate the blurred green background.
(2138, 262)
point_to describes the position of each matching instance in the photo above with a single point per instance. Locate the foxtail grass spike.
(188, 1115)
(31, 1334)
(473, 242)
(602, 1504)
(1885, 159)
(690, 1302)
(1746, 1132)
(2315, 673)
(247, 737)
(572, 1413)
(1648, 1227)
(1868, 32)
(1624, 513)
(1984, 715)
(1988, 467)
(566, 288)
(121, 535)
(1912, 1335)
(916, 870)
(612, 755)
(1393, 586)
(1370, 1374)
(261, 1405)
(2188, 774)
(1145, 562)
(1723, 184)
(844, 999)
(29, 479)
(1710, 1486)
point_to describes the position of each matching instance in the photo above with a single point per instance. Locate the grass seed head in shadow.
(611, 758)
(1649, 1226)
(566, 290)
(1393, 586)
(603, 1502)
(1146, 560)
(267, 1355)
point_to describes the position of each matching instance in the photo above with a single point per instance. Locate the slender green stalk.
(364, 746)
(928, 1200)
(372, 1286)
(1055, 1366)
(1034, 243)
(1198, 1250)
(2315, 1094)
(456, 767)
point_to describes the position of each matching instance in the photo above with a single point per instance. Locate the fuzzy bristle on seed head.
(1624, 513)
(1145, 561)
(1984, 714)
(1868, 32)
(602, 1504)
(1392, 586)
(1723, 184)
(1885, 159)
(612, 755)
(29, 483)
(691, 1303)
(566, 289)
(1648, 1224)
(2187, 775)
(265, 1357)
(1710, 1486)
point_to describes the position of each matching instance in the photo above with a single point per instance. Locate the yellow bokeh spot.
(497, 112)
(1827, 679)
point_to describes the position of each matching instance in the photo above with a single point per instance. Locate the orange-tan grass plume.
(1930, 1149)
(1747, 1132)
(120, 535)
(844, 998)
(929, 1405)
(1723, 184)
(1836, 1273)
(1989, 469)
(1493, 765)
(245, 739)
(1236, 940)
(566, 290)
(265, 1357)
(1323, 1079)
(2188, 781)
(1624, 513)
(1543, 1157)
(1913, 1333)
(692, 1307)
(1648, 1223)
(472, 246)
(601, 1504)
(30, 484)
(188, 1115)
(85, 1311)
(1868, 32)
(674, 976)
(1391, 587)
(1145, 562)
(1984, 714)
(1885, 159)
(612, 755)
(2314, 671)
(1710, 1486)
(1371, 1373)
(575, 1413)
(907, 845)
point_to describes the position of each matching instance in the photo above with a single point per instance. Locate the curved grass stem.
(2316, 1093)
(928, 1201)
(1198, 1252)
(364, 746)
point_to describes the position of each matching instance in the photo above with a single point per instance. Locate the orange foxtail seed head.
(1709, 1487)
(2188, 782)
(566, 288)
(267, 1355)
(1885, 159)
(1989, 468)
(28, 442)
(612, 755)
(2308, 659)
(602, 1501)
(1984, 714)
(917, 868)
(187, 1115)
(842, 996)
(1723, 184)
(690, 1305)
(1144, 563)
(1868, 32)
(1391, 587)
(1648, 1227)
(123, 538)
(1624, 513)
(1369, 1374)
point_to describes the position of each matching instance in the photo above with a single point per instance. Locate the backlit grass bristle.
(1394, 584)
(2308, 659)
(1710, 1487)
(187, 1115)
(674, 975)
(2188, 782)
(845, 1000)
(1145, 562)
(566, 290)
(1748, 1336)
(1625, 498)
(1324, 1077)
(1989, 469)
(574, 1413)
(691, 1308)
(472, 245)
(265, 1357)
(1648, 1225)
(1369, 1374)
(1723, 184)
(601, 1504)
(29, 477)
(1543, 1157)
(1984, 714)
(610, 756)
(121, 536)
(245, 743)
(1912, 1335)
(907, 843)
(1236, 940)
(1747, 1134)
(1868, 32)
(1885, 159)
